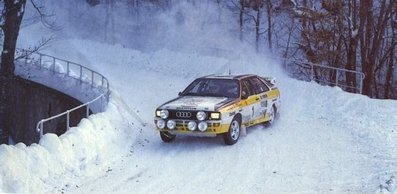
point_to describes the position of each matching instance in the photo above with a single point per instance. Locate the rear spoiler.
(271, 81)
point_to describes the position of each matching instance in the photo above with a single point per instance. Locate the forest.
(357, 35)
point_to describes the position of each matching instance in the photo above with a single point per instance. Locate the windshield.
(213, 87)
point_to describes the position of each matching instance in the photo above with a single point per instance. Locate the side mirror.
(244, 95)
(180, 94)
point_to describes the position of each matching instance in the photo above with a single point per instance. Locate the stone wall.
(32, 102)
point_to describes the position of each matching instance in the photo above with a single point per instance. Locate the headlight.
(202, 126)
(158, 113)
(161, 124)
(215, 115)
(171, 124)
(164, 114)
(201, 116)
(191, 125)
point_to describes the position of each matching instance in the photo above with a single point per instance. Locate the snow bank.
(81, 150)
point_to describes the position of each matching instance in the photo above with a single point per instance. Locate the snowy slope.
(325, 140)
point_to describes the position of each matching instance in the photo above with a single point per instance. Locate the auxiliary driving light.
(171, 124)
(191, 125)
(161, 124)
(202, 126)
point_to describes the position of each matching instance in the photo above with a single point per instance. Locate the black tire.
(231, 137)
(273, 114)
(167, 137)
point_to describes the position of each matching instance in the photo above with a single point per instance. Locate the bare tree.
(11, 19)
(110, 21)
(372, 28)
(269, 11)
(13, 14)
(392, 53)
(257, 6)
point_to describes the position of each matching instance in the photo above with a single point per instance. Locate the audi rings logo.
(183, 114)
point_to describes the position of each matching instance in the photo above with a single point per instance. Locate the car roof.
(237, 77)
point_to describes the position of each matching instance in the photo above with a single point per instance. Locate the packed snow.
(325, 140)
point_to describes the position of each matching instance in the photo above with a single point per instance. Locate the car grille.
(183, 114)
(187, 115)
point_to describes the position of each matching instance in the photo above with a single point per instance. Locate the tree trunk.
(4, 132)
(269, 7)
(242, 6)
(352, 47)
(365, 30)
(257, 25)
(12, 21)
(390, 68)
(375, 36)
(14, 11)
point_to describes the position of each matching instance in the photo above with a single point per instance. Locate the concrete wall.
(32, 102)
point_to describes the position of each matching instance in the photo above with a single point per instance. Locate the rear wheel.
(167, 137)
(231, 137)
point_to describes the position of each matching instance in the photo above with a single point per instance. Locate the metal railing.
(339, 75)
(84, 75)
(57, 65)
(40, 124)
(327, 75)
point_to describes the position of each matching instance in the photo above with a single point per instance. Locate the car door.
(248, 100)
(262, 102)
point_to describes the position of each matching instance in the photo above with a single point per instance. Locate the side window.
(258, 86)
(246, 88)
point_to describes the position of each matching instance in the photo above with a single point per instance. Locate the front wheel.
(272, 115)
(167, 137)
(231, 137)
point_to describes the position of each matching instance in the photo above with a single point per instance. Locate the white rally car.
(219, 105)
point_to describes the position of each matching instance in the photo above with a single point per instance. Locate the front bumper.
(214, 128)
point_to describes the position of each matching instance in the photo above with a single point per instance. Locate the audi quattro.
(219, 105)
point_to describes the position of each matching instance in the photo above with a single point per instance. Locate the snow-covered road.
(305, 151)
(325, 140)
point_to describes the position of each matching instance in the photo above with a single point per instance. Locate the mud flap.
(243, 131)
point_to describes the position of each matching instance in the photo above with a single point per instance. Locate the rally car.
(219, 105)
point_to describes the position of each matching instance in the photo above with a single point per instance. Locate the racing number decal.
(264, 103)
(264, 100)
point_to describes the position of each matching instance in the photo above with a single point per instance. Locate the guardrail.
(57, 65)
(339, 72)
(327, 75)
(40, 124)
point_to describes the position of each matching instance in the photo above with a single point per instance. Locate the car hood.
(195, 103)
